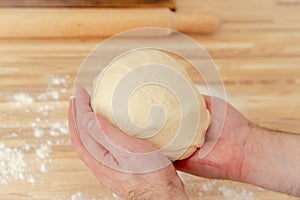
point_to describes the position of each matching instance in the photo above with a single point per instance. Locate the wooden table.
(257, 51)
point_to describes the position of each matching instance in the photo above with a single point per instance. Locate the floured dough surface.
(184, 123)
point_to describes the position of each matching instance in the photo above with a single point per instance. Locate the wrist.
(159, 189)
(270, 160)
(250, 153)
(176, 190)
(258, 158)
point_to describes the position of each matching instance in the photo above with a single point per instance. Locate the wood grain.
(98, 22)
(258, 58)
(90, 3)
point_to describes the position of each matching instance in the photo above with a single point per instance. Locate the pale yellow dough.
(144, 98)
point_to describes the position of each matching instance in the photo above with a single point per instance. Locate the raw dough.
(142, 99)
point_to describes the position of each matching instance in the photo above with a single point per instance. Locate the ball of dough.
(141, 104)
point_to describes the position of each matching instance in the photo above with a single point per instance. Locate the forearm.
(272, 160)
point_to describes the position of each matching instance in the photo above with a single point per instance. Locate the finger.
(132, 154)
(82, 102)
(121, 148)
(76, 143)
(207, 167)
(208, 102)
(103, 173)
(111, 137)
(84, 114)
(88, 119)
(83, 108)
(84, 149)
(217, 108)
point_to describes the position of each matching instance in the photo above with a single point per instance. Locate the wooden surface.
(90, 3)
(257, 51)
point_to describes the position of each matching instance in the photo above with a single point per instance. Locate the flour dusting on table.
(211, 187)
(12, 164)
(15, 160)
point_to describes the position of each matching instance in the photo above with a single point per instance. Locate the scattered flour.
(38, 119)
(11, 135)
(43, 167)
(27, 147)
(56, 87)
(38, 132)
(49, 142)
(208, 186)
(31, 180)
(52, 94)
(78, 196)
(59, 129)
(22, 99)
(236, 194)
(45, 109)
(83, 196)
(211, 187)
(43, 151)
(57, 80)
(12, 164)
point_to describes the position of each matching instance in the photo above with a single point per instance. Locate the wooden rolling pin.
(97, 22)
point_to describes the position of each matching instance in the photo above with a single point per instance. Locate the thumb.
(198, 167)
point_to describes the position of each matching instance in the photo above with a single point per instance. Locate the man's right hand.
(247, 153)
(225, 160)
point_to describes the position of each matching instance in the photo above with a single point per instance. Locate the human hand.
(244, 152)
(225, 159)
(130, 167)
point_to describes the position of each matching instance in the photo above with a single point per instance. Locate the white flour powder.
(22, 99)
(43, 151)
(212, 187)
(236, 194)
(12, 164)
